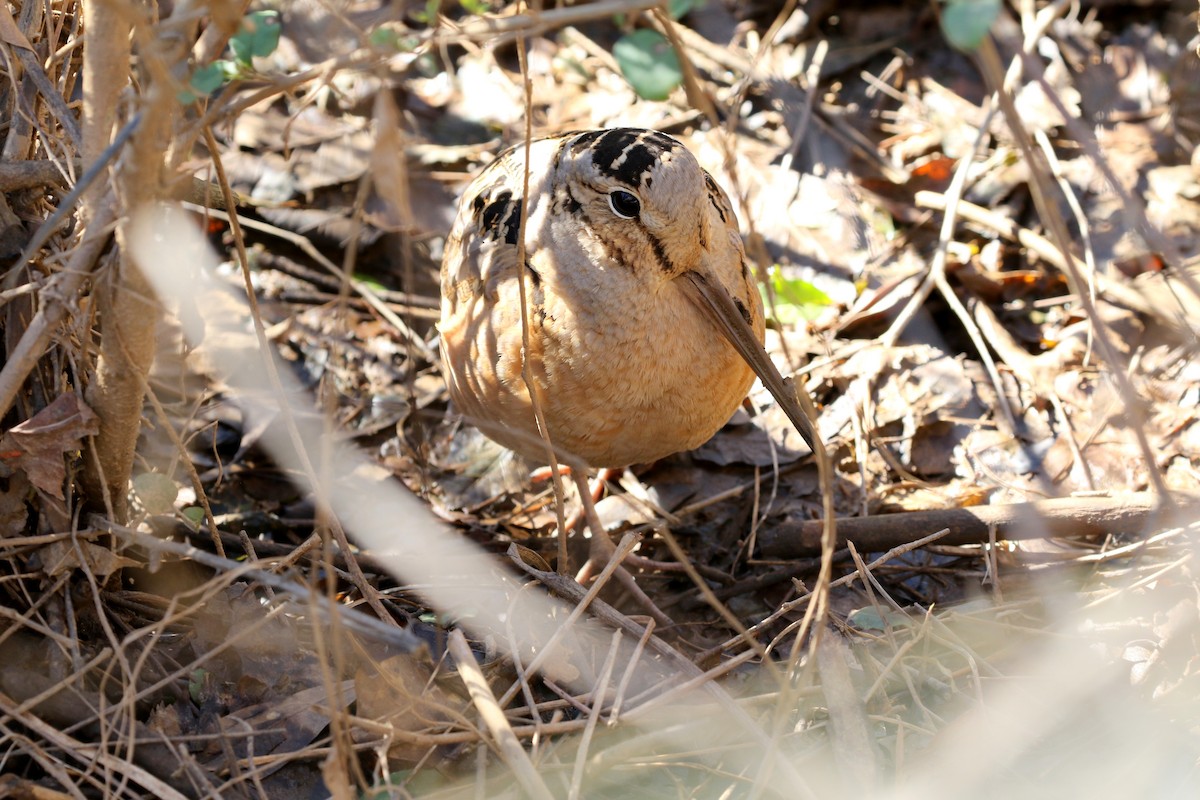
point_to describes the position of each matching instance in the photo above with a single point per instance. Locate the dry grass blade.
(493, 717)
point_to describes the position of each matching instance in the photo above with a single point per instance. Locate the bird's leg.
(595, 491)
(633, 560)
(602, 551)
(601, 547)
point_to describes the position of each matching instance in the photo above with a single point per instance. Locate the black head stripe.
(624, 154)
(714, 195)
(660, 254)
(570, 203)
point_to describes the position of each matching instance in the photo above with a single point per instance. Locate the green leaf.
(370, 283)
(795, 300)
(649, 63)
(966, 22)
(475, 6)
(869, 619)
(258, 37)
(193, 517)
(196, 680)
(156, 492)
(388, 37)
(207, 79)
(428, 15)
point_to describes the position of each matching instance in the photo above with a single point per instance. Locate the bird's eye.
(624, 204)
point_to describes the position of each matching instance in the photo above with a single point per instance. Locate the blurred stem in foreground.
(128, 312)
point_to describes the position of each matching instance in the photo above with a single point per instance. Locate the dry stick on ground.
(829, 120)
(17, 175)
(493, 716)
(57, 300)
(1048, 387)
(233, 107)
(845, 580)
(709, 597)
(762, 579)
(1066, 516)
(516, 656)
(58, 296)
(70, 711)
(582, 601)
(390, 175)
(32, 70)
(500, 30)
(167, 425)
(1131, 205)
(851, 739)
(352, 619)
(791, 605)
(471, 736)
(936, 277)
(594, 712)
(89, 756)
(655, 697)
(1033, 372)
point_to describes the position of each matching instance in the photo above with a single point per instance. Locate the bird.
(643, 325)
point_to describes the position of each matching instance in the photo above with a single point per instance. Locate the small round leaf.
(156, 492)
(649, 63)
(207, 79)
(966, 22)
(795, 300)
(258, 36)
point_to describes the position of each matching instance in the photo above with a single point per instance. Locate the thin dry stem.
(493, 716)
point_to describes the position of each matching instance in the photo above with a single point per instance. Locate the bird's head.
(646, 198)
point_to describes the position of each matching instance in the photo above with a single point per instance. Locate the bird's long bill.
(712, 298)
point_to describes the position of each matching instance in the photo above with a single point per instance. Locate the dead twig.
(493, 716)
(498, 30)
(1065, 516)
(17, 175)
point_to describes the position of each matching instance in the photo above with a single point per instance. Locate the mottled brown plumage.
(645, 324)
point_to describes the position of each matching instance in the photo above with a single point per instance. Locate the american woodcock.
(645, 326)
